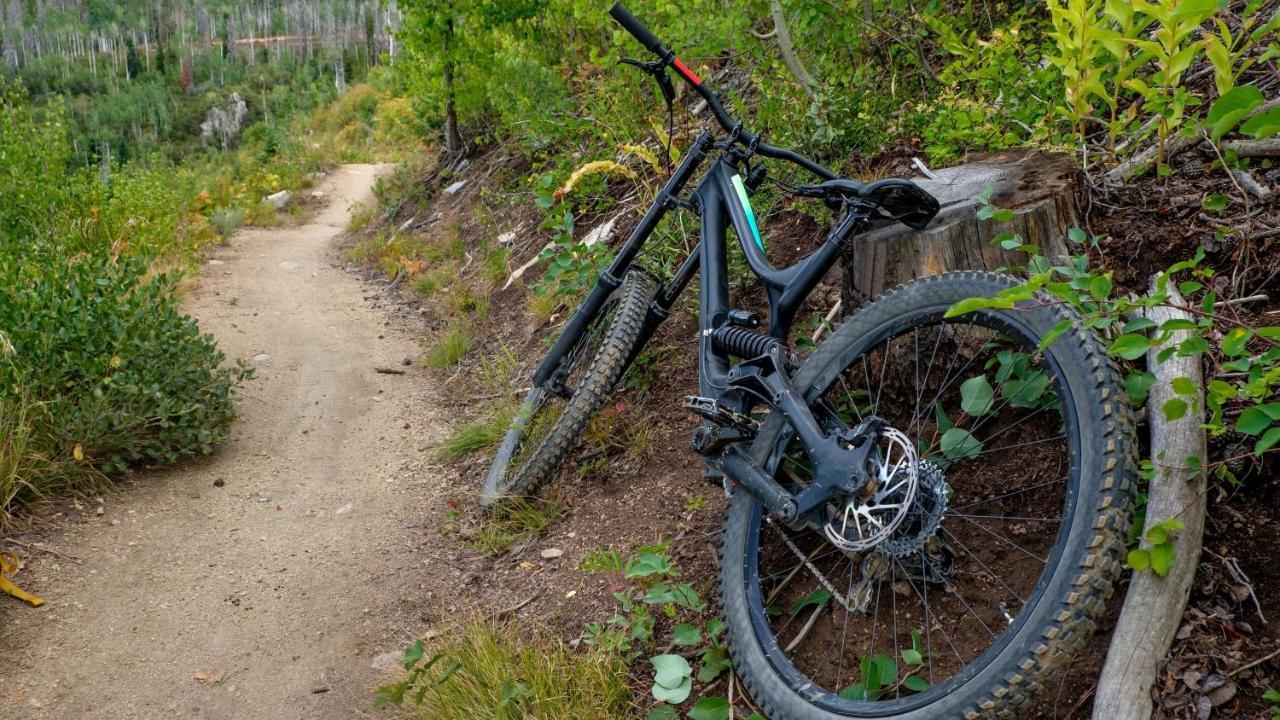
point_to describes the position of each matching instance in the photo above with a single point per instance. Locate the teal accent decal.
(746, 205)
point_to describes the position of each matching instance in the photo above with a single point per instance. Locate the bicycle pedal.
(708, 409)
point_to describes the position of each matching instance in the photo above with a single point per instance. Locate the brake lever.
(657, 69)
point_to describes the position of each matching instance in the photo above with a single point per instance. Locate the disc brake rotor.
(868, 521)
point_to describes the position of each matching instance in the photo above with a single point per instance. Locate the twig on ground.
(1255, 663)
(1237, 574)
(517, 607)
(41, 548)
(1243, 300)
(388, 371)
(804, 631)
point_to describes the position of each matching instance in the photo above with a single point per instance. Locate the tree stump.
(1042, 189)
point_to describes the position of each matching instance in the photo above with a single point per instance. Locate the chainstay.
(826, 584)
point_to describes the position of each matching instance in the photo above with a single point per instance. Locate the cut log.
(1041, 188)
(1153, 606)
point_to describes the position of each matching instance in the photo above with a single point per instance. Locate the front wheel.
(978, 559)
(547, 426)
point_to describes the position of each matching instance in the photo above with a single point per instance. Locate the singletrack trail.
(286, 561)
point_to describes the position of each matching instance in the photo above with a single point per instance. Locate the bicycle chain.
(839, 597)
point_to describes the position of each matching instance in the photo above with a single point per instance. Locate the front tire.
(1038, 615)
(547, 428)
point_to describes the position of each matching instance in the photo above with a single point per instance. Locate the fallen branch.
(788, 49)
(1154, 605)
(1142, 161)
(1255, 663)
(388, 371)
(1254, 148)
(1250, 183)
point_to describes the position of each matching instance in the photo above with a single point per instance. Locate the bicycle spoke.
(1005, 540)
(998, 578)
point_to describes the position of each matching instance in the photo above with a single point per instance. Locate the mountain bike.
(926, 514)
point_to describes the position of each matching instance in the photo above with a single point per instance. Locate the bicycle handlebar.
(633, 25)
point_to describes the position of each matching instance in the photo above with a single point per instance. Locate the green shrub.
(124, 376)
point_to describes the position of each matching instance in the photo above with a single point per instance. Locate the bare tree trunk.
(452, 138)
(788, 49)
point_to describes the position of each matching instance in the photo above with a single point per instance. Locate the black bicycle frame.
(720, 198)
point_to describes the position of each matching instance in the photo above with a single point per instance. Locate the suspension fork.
(552, 366)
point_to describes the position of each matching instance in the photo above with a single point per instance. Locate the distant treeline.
(139, 76)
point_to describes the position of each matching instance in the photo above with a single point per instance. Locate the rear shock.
(743, 343)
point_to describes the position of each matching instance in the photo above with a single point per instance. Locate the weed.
(362, 215)
(477, 435)
(226, 221)
(448, 348)
(517, 520)
(483, 670)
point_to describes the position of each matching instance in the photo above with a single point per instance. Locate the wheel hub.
(902, 508)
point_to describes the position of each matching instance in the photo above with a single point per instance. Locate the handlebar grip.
(635, 27)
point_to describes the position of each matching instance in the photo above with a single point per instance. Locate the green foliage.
(123, 374)
(1157, 555)
(477, 435)
(1248, 357)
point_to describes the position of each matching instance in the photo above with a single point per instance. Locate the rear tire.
(546, 428)
(1060, 608)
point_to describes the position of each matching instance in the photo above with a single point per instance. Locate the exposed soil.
(278, 567)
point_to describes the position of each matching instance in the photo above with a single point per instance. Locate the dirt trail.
(285, 560)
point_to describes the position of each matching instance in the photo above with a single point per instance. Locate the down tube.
(713, 291)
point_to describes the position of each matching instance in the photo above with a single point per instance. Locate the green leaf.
(1231, 108)
(1100, 287)
(1174, 409)
(1193, 346)
(715, 660)
(915, 683)
(1026, 392)
(887, 668)
(1267, 441)
(1184, 386)
(674, 695)
(670, 670)
(1076, 235)
(711, 708)
(648, 564)
(856, 691)
(912, 656)
(1139, 560)
(1253, 421)
(1130, 347)
(959, 444)
(1263, 125)
(817, 597)
(1215, 203)
(1189, 287)
(1138, 386)
(1161, 558)
(664, 712)
(413, 655)
(1234, 342)
(976, 396)
(969, 305)
(686, 634)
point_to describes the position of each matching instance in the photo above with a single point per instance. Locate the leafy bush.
(123, 376)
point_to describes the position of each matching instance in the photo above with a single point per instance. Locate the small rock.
(408, 360)
(387, 659)
(210, 677)
(463, 165)
(454, 188)
(317, 194)
(343, 510)
(278, 200)
(552, 553)
(219, 482)
(507, 239)
(215, 262)
(290, 265)
(261, 358)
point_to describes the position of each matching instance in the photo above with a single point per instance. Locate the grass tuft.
(448, 349)
(477, 435)
(517, 519)
(486, 670)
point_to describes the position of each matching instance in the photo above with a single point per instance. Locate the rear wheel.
(547, 425)
(977, 561)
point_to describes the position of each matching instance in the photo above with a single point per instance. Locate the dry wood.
(788, 49)
(1254, 148)
(1041, 188)
(1153, 606)
(1142, 161)
(1250, 183)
